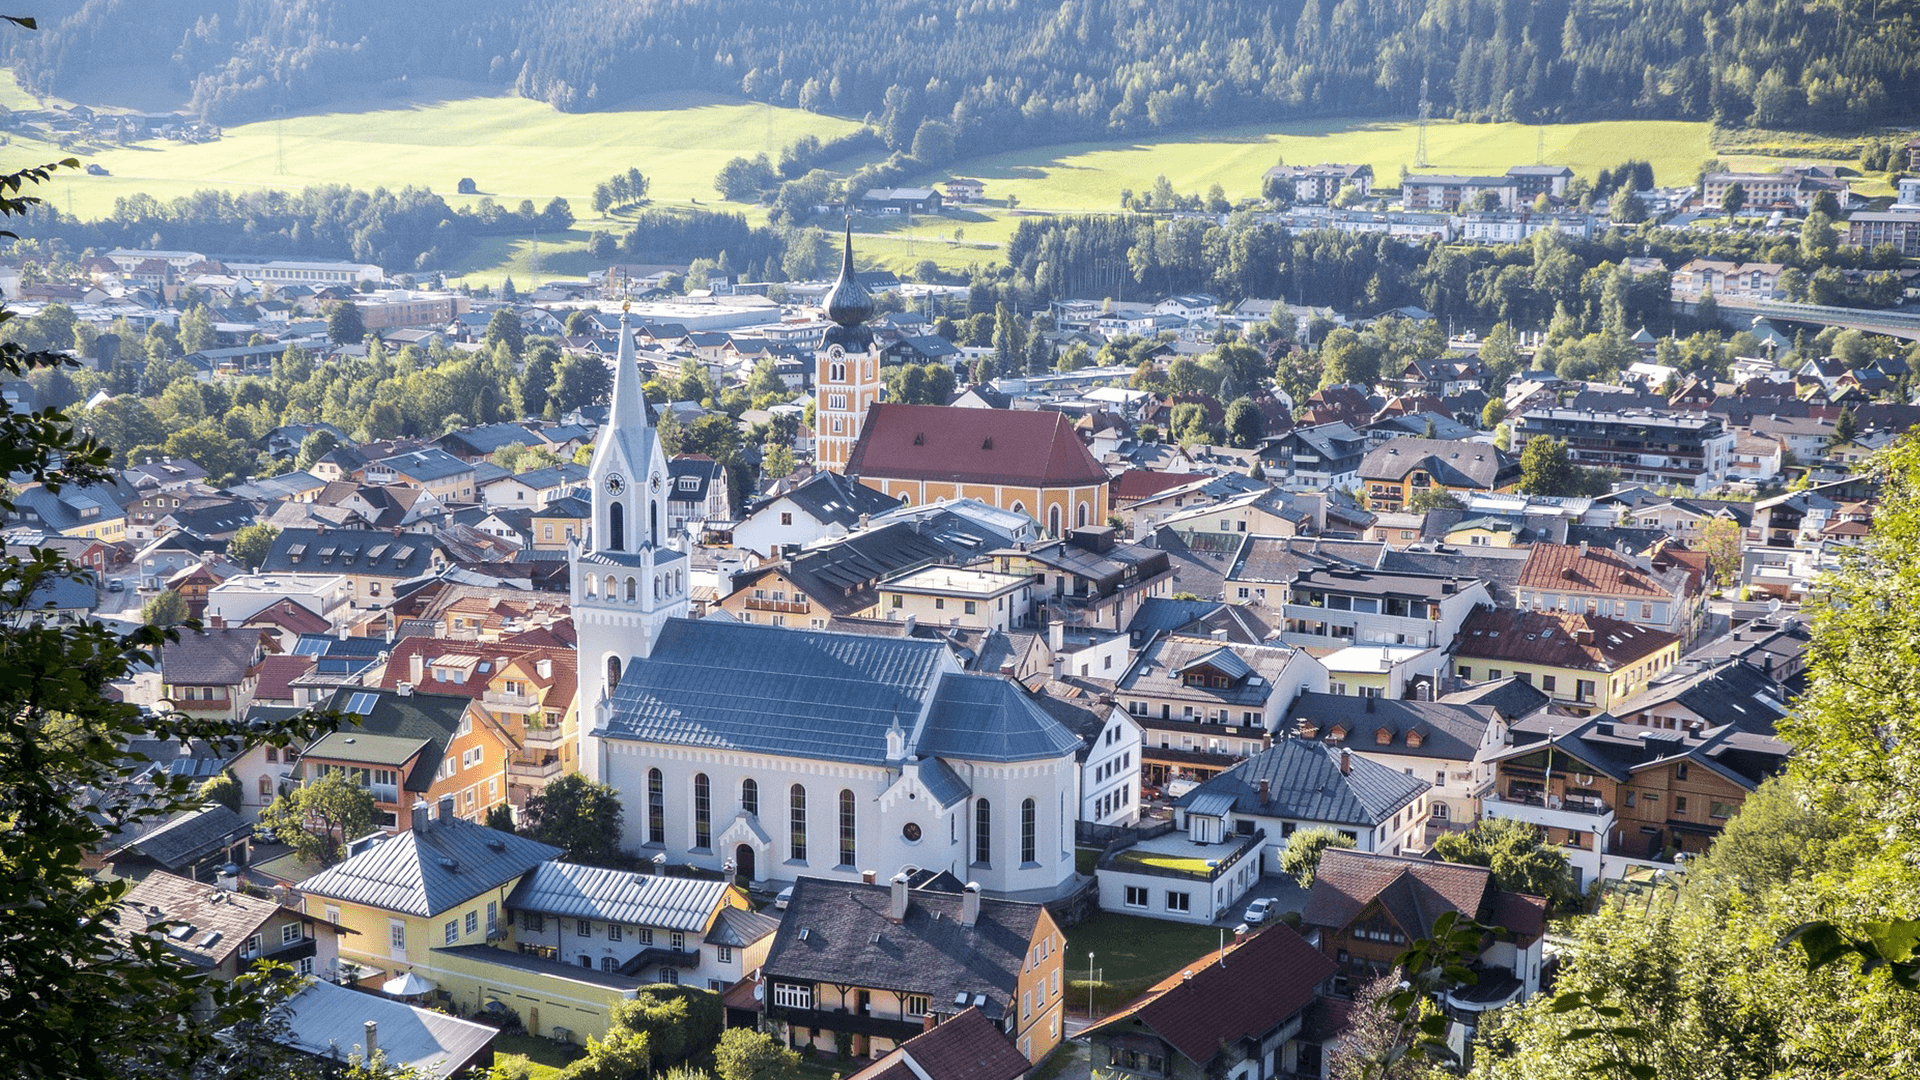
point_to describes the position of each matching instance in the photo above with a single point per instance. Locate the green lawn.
(543, 1058)
(1185, 864)
(1130, 954)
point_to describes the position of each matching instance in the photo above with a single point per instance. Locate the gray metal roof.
(1211, 804)
(1305, 784)
(406, 872)
(798, 693)
(739, 928)
(989, 718)
(590, 892)
(942, 782)
(327, 1020)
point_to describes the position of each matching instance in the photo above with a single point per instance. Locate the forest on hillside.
(988, 73)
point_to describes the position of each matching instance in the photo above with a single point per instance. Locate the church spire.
(849, 305)
(629, 407)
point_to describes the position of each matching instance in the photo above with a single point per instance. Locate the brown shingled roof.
(1557, 639)
(980, 446)
(1222, 997)
(967, 1047)
(1415, 891)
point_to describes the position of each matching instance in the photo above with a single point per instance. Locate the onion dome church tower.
(627, 581)
(846, 375)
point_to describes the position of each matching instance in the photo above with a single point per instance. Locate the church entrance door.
(743, 862)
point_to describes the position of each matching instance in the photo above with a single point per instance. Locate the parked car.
(116, 585)
(1258, 911)
(785, 897)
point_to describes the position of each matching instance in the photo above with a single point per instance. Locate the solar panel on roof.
(362, 703)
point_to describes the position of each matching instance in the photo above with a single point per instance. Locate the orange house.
(412, 747)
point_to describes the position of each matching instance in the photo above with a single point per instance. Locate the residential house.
(373, 561)
(839, 579)
(1435, 741)
(1316, 185)
(1396, 472)
(1739, 692)
(88, 511)
(868, 965)
(1263, 511)
(1609, 793)
(955, 596)
(1203, 703)
(331, 1022)
(477, 444)
(1096, 583)
(1590, 580)
(1586, 663)
(222, 932)
(826, 504)
(965, 1047)
(1297, 784)
(1723, 279)
(554, 525)
(1340, 606)
(1245, 1014)
(212, 673)
(238, 598)
(199, 845)
(1365, 908)
(447, 477)
(696, 491)
(1646, 446)
(1315, 456)
(1262, 569)
(413, 748)
(651, 927)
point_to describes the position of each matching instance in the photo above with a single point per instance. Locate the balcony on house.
(1528, 803)
(511, 699)
(544, 735)
(544, 767)
(784, 607)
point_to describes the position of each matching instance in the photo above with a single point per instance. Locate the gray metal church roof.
(988, 718)
(590, 892)
(799, 693)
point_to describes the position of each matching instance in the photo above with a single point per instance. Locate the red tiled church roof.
(974, 446)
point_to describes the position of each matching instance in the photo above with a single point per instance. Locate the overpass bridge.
(1893, 322)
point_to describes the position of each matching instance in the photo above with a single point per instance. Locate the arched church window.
(1053, 520)
(593, 586)
(633, 590)
(613, 588)
(617, 534)
(702, 811)
(750, 796)
(613, 673)
(797, 823)
(847, 830)
(656, 807)
(1028, 827)
(1080, 516)
(983, 832)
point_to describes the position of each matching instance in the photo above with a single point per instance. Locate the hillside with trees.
(994, 72)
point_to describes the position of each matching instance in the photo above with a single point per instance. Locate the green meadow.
(518, 149)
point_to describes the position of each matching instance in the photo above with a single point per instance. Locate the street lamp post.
(1089, 987)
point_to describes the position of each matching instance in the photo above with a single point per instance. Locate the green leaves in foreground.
(1893, 944)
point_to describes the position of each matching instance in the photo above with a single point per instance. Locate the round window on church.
(911, 832)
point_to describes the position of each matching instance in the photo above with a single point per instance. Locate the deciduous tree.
(580, 816)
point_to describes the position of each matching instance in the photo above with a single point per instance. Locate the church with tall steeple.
(846, 375)
(627, 580)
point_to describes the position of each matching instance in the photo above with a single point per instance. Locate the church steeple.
(849, 305)
(629, 403)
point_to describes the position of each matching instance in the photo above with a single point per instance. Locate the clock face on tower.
(655, 481)
(616, 483)
(835, 352)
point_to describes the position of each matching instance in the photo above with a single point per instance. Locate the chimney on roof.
(1057, 635)
(1266, 791)
(1059, 666)
(543, 667)
(372, 1039)
(867, 877)
(341, 632)
(446, 809)
(421, 814)
(897, 899)
(1346, 761)
(1006, 667)
(970, 904)
(417, 669)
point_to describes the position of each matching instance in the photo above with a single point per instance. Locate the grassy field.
(534, 1058)
(517, 149)
(513, 149)
(1131, 954)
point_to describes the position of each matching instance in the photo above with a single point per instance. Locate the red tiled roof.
(277, 674)
(1146, 483)
(978, 446)
(564, 679)
(967, 1047)
(1246, 990)
(1525, 916)
(1414, 891)
(1566, 568)
(291, 617)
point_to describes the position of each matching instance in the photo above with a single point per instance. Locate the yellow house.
(556, 524)
(488, 917)
(442, 882)
(1396, 471)
(1586, 663)
(1485, 531)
